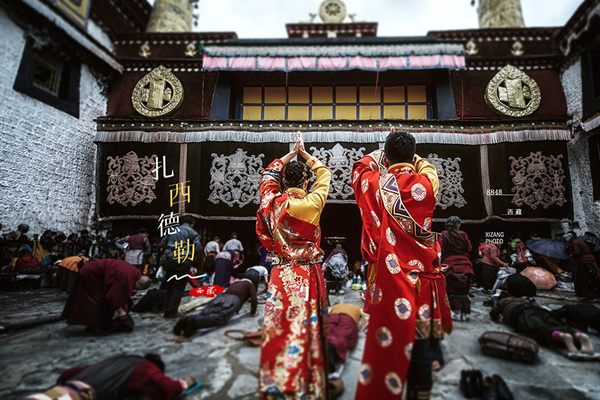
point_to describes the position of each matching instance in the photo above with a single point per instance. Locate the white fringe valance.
(591, 123)
(469, 137)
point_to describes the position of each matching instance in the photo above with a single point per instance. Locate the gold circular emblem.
(332, 11)
(512, 92)
(158, 93)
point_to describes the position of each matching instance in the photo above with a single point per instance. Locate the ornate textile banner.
(530, 180)
(333, 58)
(459, 172)
(128, 184)
(527, 181)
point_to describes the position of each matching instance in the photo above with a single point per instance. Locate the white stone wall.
(586, 211)
(571, 81)
(47, 157)
(96, 32)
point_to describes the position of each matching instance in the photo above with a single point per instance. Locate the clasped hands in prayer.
(298, 149)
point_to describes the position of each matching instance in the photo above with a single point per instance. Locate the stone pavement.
(32, 358)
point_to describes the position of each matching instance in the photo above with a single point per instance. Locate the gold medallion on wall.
(158, 93)
(512, 92)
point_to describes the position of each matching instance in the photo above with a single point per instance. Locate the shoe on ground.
(477, 383)
(189, 326)
(502, 389)
(489, 389)
(172, 315)
(178, 328)
(465, 384)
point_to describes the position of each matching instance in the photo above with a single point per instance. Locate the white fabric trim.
(591, 123)
(466, 138)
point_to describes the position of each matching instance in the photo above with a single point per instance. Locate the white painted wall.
(586, 211)
(47, 157)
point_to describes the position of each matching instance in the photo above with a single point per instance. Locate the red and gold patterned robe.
(408, 295)
(292, 363)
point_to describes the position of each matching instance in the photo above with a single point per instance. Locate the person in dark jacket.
(220, 309)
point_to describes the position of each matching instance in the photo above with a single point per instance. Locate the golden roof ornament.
(500, 14)
(471, 48)
(517, 49)
(158, 93)
(170, 16)
(332, 11)
(311, 20)
(190, 50)
(512, 92)
(145, 50)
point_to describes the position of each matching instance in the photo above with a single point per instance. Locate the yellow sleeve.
(318, 196)
(423, 167)
(309, 209)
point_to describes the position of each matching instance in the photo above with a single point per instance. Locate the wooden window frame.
(334, 104)
(67, 97)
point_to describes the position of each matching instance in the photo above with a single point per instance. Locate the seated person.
(117, 378)
(220, 309)
(528, 318)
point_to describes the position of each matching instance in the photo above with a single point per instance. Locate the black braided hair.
(451, 223)
(295, 174)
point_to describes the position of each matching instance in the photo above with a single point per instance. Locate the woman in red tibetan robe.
(292, 361)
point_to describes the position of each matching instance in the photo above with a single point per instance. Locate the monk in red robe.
(103, 287)
(409, 308)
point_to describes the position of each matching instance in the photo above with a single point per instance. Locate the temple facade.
(508, 114)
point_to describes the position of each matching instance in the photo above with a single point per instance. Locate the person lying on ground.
(220, 309)
(117, 378)
(581, 316)
(529, 319)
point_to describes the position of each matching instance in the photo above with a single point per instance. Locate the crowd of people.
(417, 282)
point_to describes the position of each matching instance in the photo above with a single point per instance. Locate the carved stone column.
(500, 14)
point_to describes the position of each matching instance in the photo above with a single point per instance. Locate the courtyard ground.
(33, 357)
